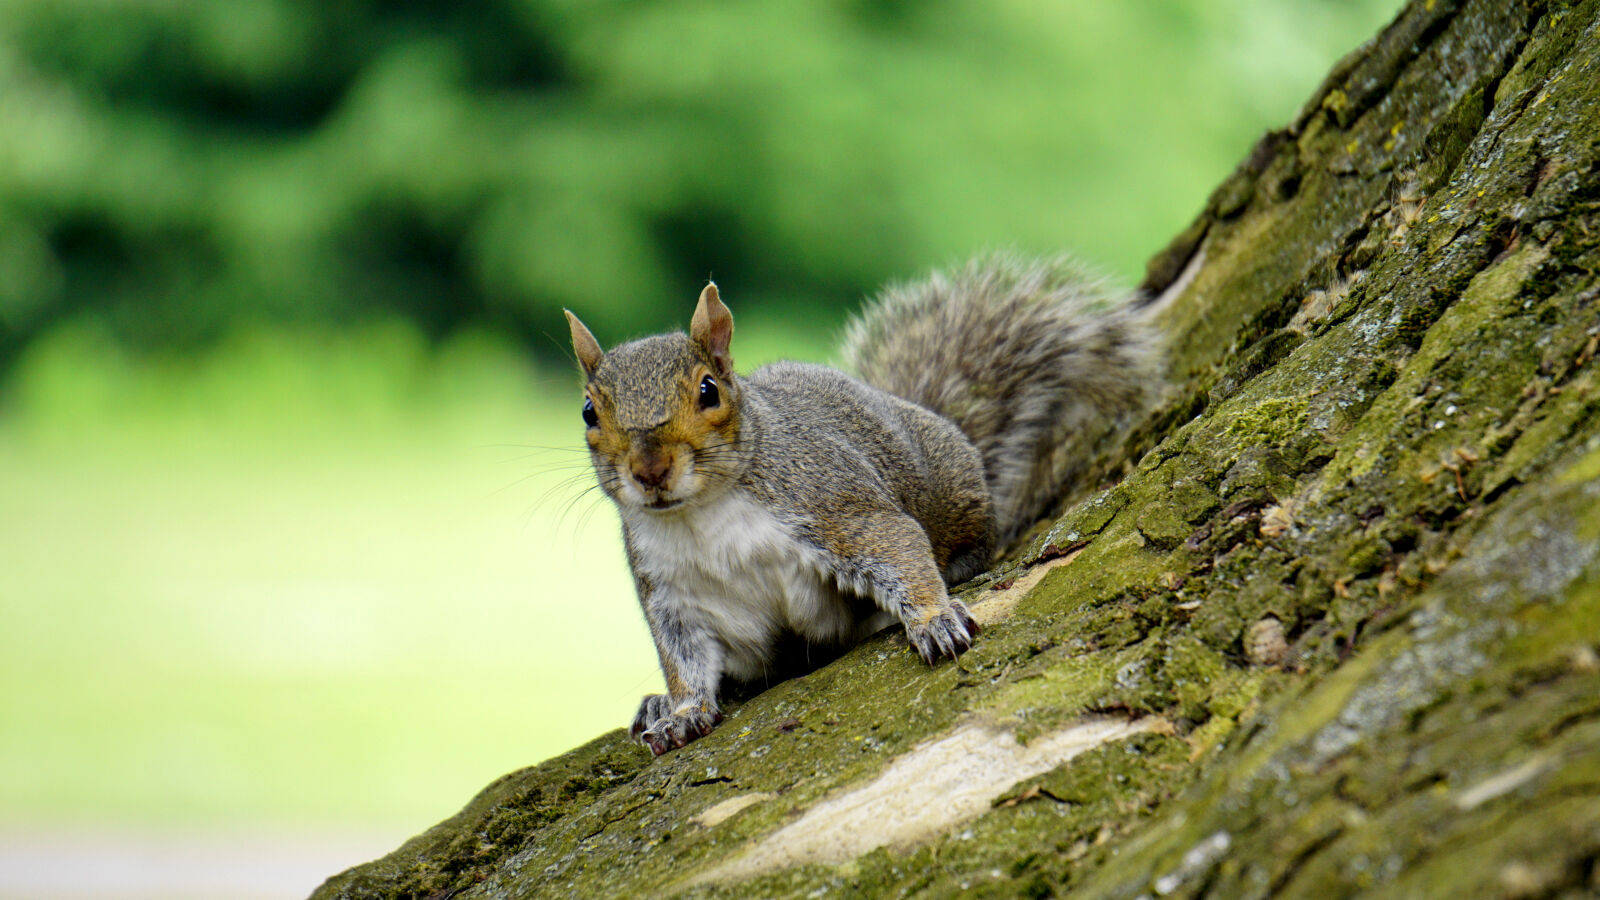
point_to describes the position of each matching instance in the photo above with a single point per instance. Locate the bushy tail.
(1038, 362)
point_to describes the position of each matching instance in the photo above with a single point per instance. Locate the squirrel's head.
(662, 413)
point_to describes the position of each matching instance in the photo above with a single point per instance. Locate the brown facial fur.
(647, 399)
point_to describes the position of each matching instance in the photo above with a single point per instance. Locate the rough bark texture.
(1344, 608)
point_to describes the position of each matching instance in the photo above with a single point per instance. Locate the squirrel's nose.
(651, 470)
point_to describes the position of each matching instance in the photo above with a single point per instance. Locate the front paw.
(651, 708)
(662, 725)
(948, 633)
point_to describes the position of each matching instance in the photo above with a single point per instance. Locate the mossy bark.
(1354, 571)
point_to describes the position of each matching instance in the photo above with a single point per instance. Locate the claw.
(949, 633)
(659, 728)
(965, 616)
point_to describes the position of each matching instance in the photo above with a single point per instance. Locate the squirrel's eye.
(709, 395)
(590, 417)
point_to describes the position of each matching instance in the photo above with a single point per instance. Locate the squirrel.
(798, 500)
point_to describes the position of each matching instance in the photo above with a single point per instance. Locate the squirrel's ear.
(712, 326)
(584, 345)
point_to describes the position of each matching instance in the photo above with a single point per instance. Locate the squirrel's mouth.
(663, 503)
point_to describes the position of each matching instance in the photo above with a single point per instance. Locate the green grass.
(303, 579)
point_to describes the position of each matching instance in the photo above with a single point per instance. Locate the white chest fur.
(732, 567)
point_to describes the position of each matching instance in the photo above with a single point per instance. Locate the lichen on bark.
(1384, 444)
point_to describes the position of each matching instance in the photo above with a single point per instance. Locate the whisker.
(552, 448)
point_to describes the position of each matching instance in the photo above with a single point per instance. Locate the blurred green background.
(292, 531)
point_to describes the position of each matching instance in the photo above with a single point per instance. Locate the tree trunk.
(1335, 632)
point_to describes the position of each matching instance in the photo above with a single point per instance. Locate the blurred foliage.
(176, 170)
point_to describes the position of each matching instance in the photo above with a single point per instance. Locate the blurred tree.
(174, 171)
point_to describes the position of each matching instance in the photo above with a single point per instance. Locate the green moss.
(1272, 421)
(1194, 670)
(1587, 469)
(1367, 555)
(1057, 691)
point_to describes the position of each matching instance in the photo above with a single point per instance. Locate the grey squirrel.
(800, 500)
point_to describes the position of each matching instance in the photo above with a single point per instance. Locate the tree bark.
(1335, 632)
